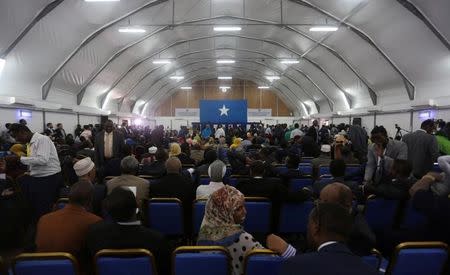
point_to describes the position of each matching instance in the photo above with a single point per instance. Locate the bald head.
(82, 193)
(337, 193)
(173, 165)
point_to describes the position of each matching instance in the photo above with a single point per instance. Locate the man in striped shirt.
(44, 167)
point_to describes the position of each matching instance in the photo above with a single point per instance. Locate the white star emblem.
(224, 110)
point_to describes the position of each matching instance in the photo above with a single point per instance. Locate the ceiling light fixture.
(272, 78)
(263, 87)
(227, 28)
(162, 61)
(186, 88)
(101, 0)
(132, 30)
(323, 29)
(224, 77)
(289, 61)
(2, 64)
(225, 61)
(177, 77)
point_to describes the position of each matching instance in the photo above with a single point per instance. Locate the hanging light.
(272, 77)
(132, 30)
(186, 88)
(224, 77)
(323, 29)
(162, 61)
(227, 28)
(289, 61)
(264, 87)
(225, 61)
(177, 77)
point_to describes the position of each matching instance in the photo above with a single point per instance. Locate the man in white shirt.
(296, 131)
(216, 172)
(44, 166)
(220, 132)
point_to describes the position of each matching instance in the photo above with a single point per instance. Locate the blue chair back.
(204, 180)
(60, 204)
(45, 264)
(294, 217)
(198, 213)
(380, 213)
(166, 216)
(353, 172)
(258, 219)
(262, 262)
(233, 179)
(194, 260)
(418, 258)
(306, 160)
(412, 218)
(305, 168)
(297, 184)
(280, 169)
(374, 260)
(324, 170)
(124, 262)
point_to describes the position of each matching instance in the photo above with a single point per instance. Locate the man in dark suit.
(126, 231)
(158, 167)
(423, 148)
(328, 229)
(109, 144)
(175, 185)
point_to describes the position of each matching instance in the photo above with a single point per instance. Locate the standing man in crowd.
(358, 137)
(109, 144)
(296, 131)
(49, 130)
(423, 148)
(45, 169)
(220, 132)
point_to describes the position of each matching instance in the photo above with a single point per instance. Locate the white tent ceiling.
(70, 51)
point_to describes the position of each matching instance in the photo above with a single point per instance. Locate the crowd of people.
(99, 169)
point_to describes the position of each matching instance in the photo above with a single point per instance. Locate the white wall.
(69, 121)
(35, 123)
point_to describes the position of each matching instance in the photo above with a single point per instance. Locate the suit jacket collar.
(336, 248)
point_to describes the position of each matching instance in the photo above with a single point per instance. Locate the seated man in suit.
(129, 167)
(175, 185)
(126, 231)
(158, 167)
(65, 230)
(329, 226)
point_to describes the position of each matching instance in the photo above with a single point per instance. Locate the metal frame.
(193, 249)
(46, 256)
(254, 252)
(125, 253)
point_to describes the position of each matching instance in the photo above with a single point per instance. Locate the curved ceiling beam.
(238, 68)
(48, 83)
(410, 88)
(162, 93)
(372, 93)
(41, 14)
(135, 65)
(419, 14)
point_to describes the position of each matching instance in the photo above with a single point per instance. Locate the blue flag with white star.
(223, 111)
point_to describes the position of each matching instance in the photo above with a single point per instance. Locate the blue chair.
(374, 259)
(353, 172)
(233, 179)
(294, 217)
(297, 184)
(324, 170)
(436, 168)
(60, 204)
(198, 213)
(305, 168)
(124, 262)
(306, 160)
(56, 263)
(418, 258)
(258, 219)
(380, 213)
(262, 262)
(204, 180)
(279, 169)
(194, 260)
(166, 215)
(412, 218)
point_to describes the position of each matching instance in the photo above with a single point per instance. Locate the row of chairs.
(409, 258)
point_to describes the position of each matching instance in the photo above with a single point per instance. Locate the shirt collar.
(107, 134)
(130, 223)
(325, 244)
(216, 183)
(34, 138)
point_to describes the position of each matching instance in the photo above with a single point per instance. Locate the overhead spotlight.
(225, 61)
(177, 77)
(224, 88)
(162, 61)
(263, 87)
(132, 30)
(289, 61)
(2, 64)
(272, 78)
(224, 77)
(227, 28)
(323, 29)
(101, 0)
(186, 88)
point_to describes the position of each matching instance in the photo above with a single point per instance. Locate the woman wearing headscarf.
(174, 149)
(216, 172)
(224, 214)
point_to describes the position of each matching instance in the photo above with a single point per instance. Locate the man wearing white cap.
(323, 159)
(85, 170)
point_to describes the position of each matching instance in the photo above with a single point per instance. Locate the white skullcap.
(152, 150)
(326, 148)
(83, 166)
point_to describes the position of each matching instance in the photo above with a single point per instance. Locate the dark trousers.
(41, 193)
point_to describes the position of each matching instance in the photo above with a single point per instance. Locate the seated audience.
(224, 214)
(65, 230)
(337, 170)
(381, 155)
(329, 227)
(210, 157)
(216, 172)
(126, 231)
(323, 159)
(86, 149)
(197, 153)
(185, 156)
(437, 183)
(129, 167)
(158, 167)
(85, 171)
(292, 172)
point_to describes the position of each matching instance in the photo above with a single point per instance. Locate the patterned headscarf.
(218, 222)
(174, 149)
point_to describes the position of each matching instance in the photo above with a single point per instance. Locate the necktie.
(379, 172)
